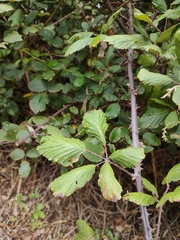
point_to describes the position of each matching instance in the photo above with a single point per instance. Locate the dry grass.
(121, 218)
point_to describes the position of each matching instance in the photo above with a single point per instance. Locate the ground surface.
(121, 218)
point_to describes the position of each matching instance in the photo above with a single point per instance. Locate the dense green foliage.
(72, 55)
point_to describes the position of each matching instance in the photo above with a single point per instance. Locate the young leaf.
(110, 187)
(60, 149)
(173, 174)
(151, 78)
(5, 8)
(85, 231)
(67, 183)
(80, 44)
(24, 169)
(95, 124)
(149, 186)
(176, 97)
(165, 36)
(13, 37)
(140, 198)
(128, 157)
(170, 196)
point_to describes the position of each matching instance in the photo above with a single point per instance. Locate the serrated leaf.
(176, 96)
(173, 174)
(141, 16)
(170, 196)
(135, 41)
(112, 111)
(171, 120)
(38, 102)
(80, 44)
(152, 49)
(153, 118)
(110, 187)
(24, 169)
(13, 37)
(149, 186)
(140, 198)
(151, 78)
(151, 139)
(69, 182)
(60, 149)
(85, 231)
(95, 124)
(128, 157)
(17, 154)
(94, 147)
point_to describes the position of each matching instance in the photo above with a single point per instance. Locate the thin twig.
(135, 135)
(160, 215)
(40, 126)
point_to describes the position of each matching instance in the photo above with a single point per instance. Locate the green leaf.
(173, 174)
(37, 86)
(95, 125)
(153, 118)
(112, 111)
(95, 147)
(66, 184)
(30, 29)
(135, 41)
(171, 120)
(13, 37)
(16, 18)
(38, 102)
(24, 169)
(140, 28)
(146, 60)
(177, 44)
(97, 40)
(79, 81)
(32, 153)
(141, 16)
(151, 139)
(110, 187)
(140, 198)
(176, 96)
(151, 78)
(115, 134)
(17, 154)
(149, 186)
(170, 196)
(5, 8)
(128, 157)
(62, 150)
(85, 232)
(165, 36)
(74, 110)
(160, 5)
(80, 44)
